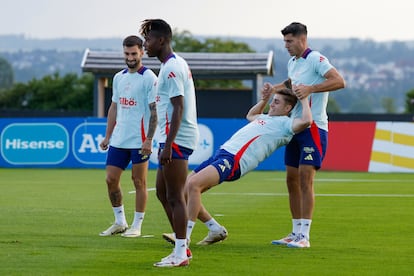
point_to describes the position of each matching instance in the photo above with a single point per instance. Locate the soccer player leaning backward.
(243, 152)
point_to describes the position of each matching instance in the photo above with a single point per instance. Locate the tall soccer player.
(176, 108)
(311, 75)
(131, 124)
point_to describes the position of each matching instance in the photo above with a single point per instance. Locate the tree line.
(74, 92)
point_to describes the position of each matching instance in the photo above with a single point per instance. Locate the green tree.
(6, 74)
(389, 105)
(409, 102)
(68, 93)
(185, 42)
(333, 106)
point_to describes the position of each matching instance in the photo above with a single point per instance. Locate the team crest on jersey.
(308, 149)
(261, 122)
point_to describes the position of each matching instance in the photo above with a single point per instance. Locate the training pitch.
(363, 225)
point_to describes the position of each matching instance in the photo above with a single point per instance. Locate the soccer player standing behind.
(176, 109)
(131, 124)
(311, 75)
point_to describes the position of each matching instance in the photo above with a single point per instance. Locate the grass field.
(363, 225)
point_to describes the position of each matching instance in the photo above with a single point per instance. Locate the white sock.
(181, 248)
(190, 227)
(138, 219)
(119, 215)
(212, 225)
(296, 226)
(305, 229)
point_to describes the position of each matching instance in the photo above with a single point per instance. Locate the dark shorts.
(121, 157)
(225, 165)
(307, 148)
(178, 152)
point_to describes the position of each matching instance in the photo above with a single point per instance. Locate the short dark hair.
(295, 29)
(131, 41)
(157, 26)
(288, 96)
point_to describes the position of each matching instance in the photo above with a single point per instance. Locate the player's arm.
(333, 81)
(147, 145)
(177, 114)
(285, 84)
(152, 121)
(110, 125)
(300, 124)
(258, 108)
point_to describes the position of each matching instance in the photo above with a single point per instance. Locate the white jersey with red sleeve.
(175, 79)
(258, 140)
(132, 93)
(310, 69)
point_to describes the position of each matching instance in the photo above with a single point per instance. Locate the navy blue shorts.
(121, 157)
(307, 148)
(225, 165)
(178, 152)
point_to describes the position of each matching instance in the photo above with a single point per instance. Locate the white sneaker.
(285, 240)
(132, 233)
(172, 261)
(214, 236)
(169, 237)
(300, 242)
(114, 229)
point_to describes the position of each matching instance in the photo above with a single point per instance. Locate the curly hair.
(156, 26)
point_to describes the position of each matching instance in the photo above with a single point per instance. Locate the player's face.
(132, 56)
(278, 106)
(152, 44)
(295, 45)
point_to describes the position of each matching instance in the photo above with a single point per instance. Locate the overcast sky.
(379, 20)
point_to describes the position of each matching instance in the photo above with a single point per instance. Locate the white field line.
(350, 180)
(285, 194)
(326, 195)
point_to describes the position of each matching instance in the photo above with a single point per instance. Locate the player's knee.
(111, 181)
(139, 184)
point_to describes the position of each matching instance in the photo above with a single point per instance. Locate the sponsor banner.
(349, 146)
(34, 143)
(74, 143)
(393, 147)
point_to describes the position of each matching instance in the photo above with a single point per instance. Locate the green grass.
(363, 225)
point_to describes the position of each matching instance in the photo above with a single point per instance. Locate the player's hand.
(146, 147)
(266, 91)
(165, 157)
(104, 144)
(301, 91)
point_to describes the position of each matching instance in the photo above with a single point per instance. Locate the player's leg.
(139, 178)
(209, 174)
(161, 192)
(174, 175)
(113, 175)
(196, 185)
(313, 143)
(117, 160)
(307, 174)
(292, 156)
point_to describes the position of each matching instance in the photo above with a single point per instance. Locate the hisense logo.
(19, 144)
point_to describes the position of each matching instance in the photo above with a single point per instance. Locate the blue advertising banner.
(74, 143)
